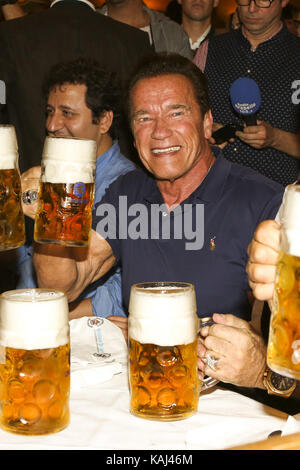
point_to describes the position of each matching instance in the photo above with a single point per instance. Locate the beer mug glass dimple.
(12, 227)
(162, 330)
(66, 195)
(283, 354)
(34, 361)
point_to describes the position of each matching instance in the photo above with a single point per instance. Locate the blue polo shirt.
(222, 213)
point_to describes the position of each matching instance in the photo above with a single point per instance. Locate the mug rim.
(161, 287)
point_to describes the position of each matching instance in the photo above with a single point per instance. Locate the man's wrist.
(277, 384)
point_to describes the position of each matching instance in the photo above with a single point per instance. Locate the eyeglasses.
(258, 3)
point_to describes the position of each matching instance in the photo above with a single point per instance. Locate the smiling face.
(169, 131)
(67, 115)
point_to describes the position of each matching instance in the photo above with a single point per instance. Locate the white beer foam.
(69, 160)
(164, 319)
(290, 218)
(8, 148)
(34, 319)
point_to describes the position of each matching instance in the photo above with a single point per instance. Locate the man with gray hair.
(171, 123)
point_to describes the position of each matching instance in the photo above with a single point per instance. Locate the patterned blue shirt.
(275, 66)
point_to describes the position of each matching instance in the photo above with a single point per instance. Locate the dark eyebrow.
(171, 106)
(67, 108)
(62, 107)
(139, 113)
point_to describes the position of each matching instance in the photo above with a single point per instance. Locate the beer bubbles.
(283, 355)
(66, 195)
(12, 225)
(34, 364)
(162, 329)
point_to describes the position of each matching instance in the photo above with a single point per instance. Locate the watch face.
(281, 383)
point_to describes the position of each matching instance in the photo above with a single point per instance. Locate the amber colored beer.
(163, 380)
(34, 390)
(283, 354)
(12, 228)
(162, 331)
(64, 213)
(34, 361)
(66, 194)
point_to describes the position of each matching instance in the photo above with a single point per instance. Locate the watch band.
(277, 384)
(7, 2)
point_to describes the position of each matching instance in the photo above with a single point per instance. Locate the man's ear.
(105, 121)
(207, 124)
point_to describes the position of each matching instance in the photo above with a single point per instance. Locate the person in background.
(197, 20)
(262, 49)
(165, 35)
(83, 102)
(29, 48)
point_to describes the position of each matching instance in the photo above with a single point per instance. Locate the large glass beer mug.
(34, 361)
(66, 195)
(283, 355)
(162, 330)
(12, 228)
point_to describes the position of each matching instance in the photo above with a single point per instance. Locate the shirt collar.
(73, 1)
(209, 190)
(277, 36)
(105, 158)
(196, 44)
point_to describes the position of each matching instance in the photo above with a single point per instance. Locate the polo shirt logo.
(212, 243)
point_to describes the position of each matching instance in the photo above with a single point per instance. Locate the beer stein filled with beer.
(12, 227)
(66, 195)
(283, 354)
(162, 331)
(34, 361)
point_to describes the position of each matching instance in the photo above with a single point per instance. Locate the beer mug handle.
(208, 381)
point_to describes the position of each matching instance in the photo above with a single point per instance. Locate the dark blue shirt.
(234, 200)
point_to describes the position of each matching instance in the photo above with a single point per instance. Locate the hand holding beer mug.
(66, 196)
(162, 330)
(283, 355)
(12, 227)
(34, 361)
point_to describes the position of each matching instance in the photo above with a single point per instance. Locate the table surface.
(100, 419)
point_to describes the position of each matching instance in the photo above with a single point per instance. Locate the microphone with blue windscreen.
(246, 99)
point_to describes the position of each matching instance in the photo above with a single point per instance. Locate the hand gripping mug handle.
(208, 381)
